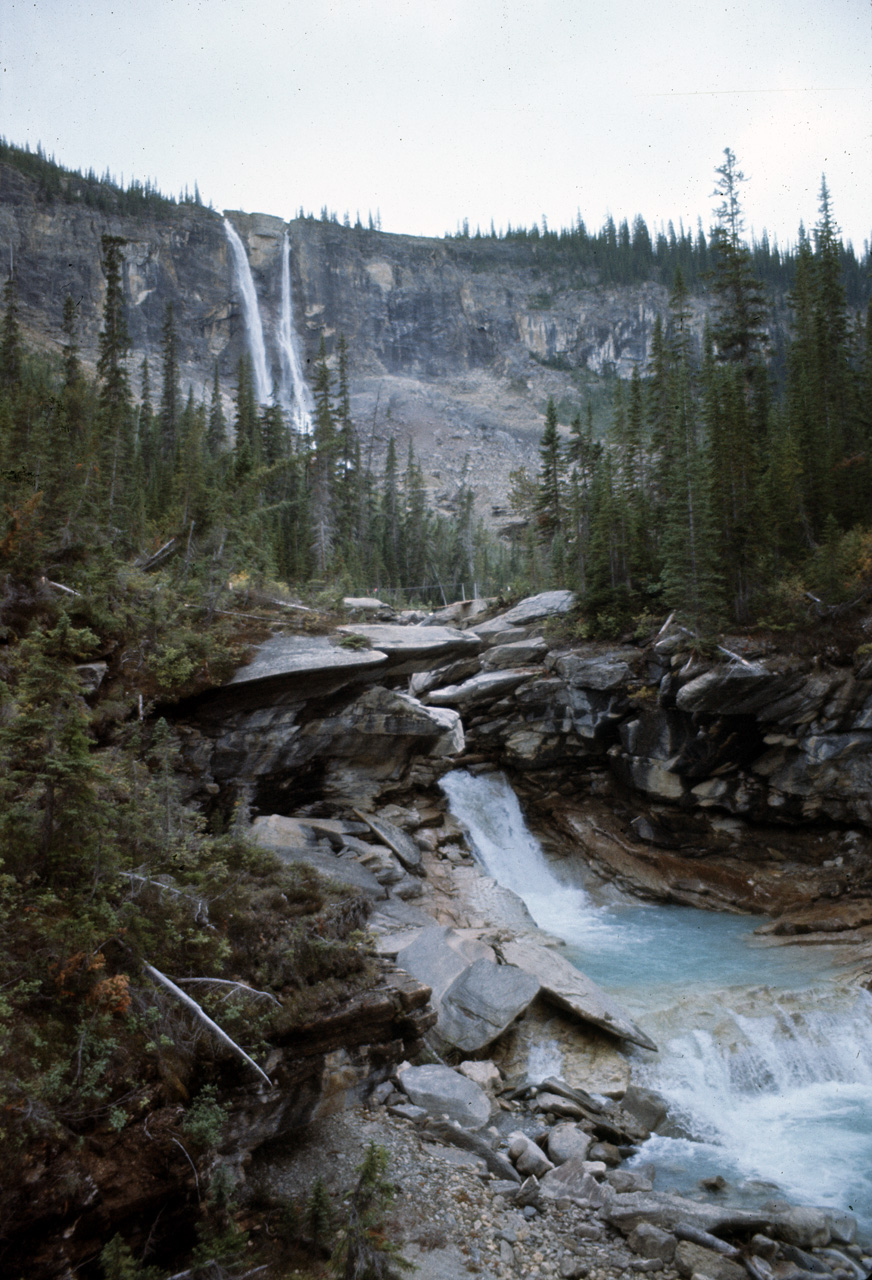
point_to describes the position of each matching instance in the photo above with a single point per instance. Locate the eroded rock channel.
(741, 783)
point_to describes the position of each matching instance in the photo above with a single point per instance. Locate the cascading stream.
(251, 312)
(294, 393)
(766, 1058)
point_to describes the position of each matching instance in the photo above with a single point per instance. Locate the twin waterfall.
(290, 389)
(766, 1055)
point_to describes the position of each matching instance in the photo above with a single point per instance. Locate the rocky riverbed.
(521, 1176)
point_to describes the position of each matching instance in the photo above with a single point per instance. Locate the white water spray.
(772, 1084)
(488, 809)
(294, 394)
(253, 326)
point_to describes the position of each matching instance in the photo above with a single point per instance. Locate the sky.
(430, 112)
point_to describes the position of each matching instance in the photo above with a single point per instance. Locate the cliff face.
(447, 337)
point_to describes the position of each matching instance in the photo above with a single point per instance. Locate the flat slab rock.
(402, 845)
(481, 688)
(482, 1002)
(444, 1092)
(406, 642)
(297, 655)
(562, 983)
(546, 604)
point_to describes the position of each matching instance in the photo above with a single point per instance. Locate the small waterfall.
(769, 1085)
(294, 393)
(488, 809)
(253, 326)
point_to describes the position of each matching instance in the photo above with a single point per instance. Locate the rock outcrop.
(454, 340)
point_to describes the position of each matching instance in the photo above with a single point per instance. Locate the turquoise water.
(765, 1055)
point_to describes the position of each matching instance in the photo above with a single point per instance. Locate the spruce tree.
(740, 328)
(549, 491)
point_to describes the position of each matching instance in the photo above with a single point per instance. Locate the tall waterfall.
(253, 326)
(766, 1057)
(294, 393)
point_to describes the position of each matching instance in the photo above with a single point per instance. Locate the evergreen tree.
(549, 496)
(740, 329)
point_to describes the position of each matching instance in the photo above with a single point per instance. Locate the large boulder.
(600, 671)
(402, 845)
(480, 688)
(547, 604)
(431, 958)
(444, 1092)
(521, 653)
(288, 656)
(481, 1003)
(572, 990)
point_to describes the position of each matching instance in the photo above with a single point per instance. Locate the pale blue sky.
(437, 110)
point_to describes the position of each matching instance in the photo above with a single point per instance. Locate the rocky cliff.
(455, 344)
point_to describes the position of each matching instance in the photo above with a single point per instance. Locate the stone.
(645, 1105)
(430, 958)
(562, 983)
(652, 1242)
(690, 1259)
(732, 690)
(366, 604)
(287, 655)
(805, 1227)
(478, 689)
(373, 726)
(624, 1180)
(568, 1141)
(528, 1156)
(444, 1092)
(485, 1074)
(405, 643)
(401, 844)
(287, 838)
(407, 1111)
(91, 675)
(556, 1105)
(482, 1002)
(497, 631)
(602, 672)
(610, 1155)
(520, 653)
(547, 604)
(574, 1181)
(529, 1194)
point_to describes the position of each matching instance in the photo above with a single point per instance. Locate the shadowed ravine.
(765, 1055)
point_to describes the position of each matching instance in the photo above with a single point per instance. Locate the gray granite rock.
(521, 653)
(481, 1003)
(402, 845)
(286, 655)
(444, 1092)
(568, 1141)
(481, 688)
(547, 604)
